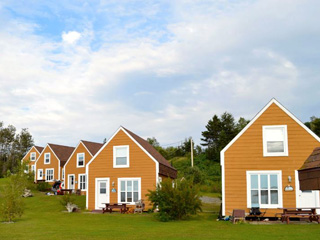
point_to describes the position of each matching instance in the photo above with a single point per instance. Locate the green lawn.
(44, 219)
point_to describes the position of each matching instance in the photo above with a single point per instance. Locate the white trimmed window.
(264, 189)
(40, 174)
(32, 156)
(49, 174)
(80, 160)
(275, 140)
(62, 173)
(120, 156)
(129, 190)
(33, 167)
(82, 182)
(47, 158)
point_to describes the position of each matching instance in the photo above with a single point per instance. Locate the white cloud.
(71, 37)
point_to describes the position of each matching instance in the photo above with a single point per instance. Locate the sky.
(72, 70)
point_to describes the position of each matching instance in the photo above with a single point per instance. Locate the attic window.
(47, 158)
(80, 160)
(32, 156)
(275, 141)
(120, 156)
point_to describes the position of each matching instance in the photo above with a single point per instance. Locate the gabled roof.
(39, 149)
(272, 101)
(62, 152)
(313, 161)
(92, 147)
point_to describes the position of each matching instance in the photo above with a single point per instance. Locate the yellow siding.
(54, 163)
(141, 166)
(28, 157)
(71, 167)
(247, 154)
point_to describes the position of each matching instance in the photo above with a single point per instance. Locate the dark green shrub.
(175, 202)
(43, 186)
(67, 198)
(195, 175)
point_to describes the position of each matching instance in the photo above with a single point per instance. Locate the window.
(47, 158)
(49, 174)
(82, 182)
(62, 173)
(264, 189)
(32, 168)
(80, 160)
(275, 141)
(120, 156)
(32, 156)
(40, 174)
(130, 190)
(26, 170)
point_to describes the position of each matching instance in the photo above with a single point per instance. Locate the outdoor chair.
(238, 214)
(139, 206)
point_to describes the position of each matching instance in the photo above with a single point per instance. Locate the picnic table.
(301, 213)
(109, 207)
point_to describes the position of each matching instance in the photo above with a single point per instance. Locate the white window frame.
(79, 182)
(84, 163)
(33, 168)
(285, 143)
(74, 181)
(33, 154)
(47, 169)
(46, 158)
(114, 157)
(62, 174)
(271, 206)
(38, 177)
(119, 189)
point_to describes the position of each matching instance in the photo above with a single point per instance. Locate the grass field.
(44, 219)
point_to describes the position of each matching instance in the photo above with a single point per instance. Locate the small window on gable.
(32, 156)
(275, 141)
(120, 156)
(80, 160)
(47, 158)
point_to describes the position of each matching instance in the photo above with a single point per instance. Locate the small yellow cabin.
(31, 157)
(259, 166)
(123, 171)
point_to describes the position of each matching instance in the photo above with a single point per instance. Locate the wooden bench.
(109, 207)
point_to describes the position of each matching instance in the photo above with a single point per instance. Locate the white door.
(306, 199)
(40, 174)
(71, 181)
(102, 192)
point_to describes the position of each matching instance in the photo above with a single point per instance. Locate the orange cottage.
(51, 161)
(259, 166)
(31, 157)
(75, 168)
(123, 171)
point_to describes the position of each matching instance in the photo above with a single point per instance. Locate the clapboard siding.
(71, 166)
(27, 157)
(246, 154)
(141, 166)
(54, 163)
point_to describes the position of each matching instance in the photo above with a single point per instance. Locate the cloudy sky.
(72, 70)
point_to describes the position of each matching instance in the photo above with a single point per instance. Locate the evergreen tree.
(314, 125)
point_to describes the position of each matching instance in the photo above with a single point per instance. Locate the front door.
(71, 181)
(306, 199)
(102, 192)
(40, 174)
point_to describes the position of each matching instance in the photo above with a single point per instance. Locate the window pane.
(135, 196)
(264, 197)
(129, 196)
(274, 181)
(254, 181)
(275, 134)
(135, 186)
(121, 161)
(123, 186)
(274, 196)
(275, 146)
(254, 198)
(121, 152)
(129, 186)
(123, 197)
(264, 181)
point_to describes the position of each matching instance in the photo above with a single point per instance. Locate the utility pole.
(191, 151)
